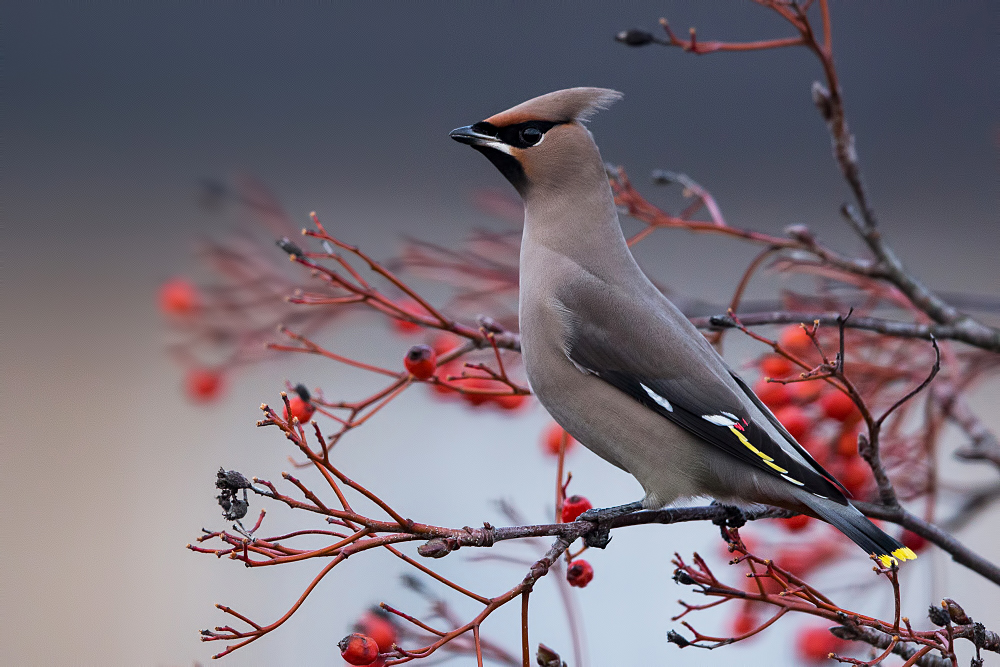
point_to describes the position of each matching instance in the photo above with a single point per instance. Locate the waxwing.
(615, 362)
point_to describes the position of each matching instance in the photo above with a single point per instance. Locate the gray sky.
(113, 111)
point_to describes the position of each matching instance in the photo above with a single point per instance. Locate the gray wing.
(648, 350)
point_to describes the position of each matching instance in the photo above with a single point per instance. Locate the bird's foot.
(600, 535)
(732, 516)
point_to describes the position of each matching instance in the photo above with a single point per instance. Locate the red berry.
(804, 392)
(854, 474)
(913, 541)
(421, 361)
(552, 439)
(358, 649)
(376, 624)
(510, 401)
(203, 384)
(445, 342)
(179, 297)
(405, 326)
(476, 385)
(744, 622)
(795, 340)
(837, 405)
(775, 366)
(795, 420)
(847, 444)
(303, 410)
(773, 394)
(796, 523)
(816, 643)
(579, 573)
(573, 507)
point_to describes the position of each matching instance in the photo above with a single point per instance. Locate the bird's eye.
(530, 135)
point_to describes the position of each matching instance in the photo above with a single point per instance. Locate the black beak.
(466, 135)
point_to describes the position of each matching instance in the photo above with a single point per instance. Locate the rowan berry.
(421, 361)
(358, 649)
(203, 384)
(795, 340)
(302, 409)
(837, 405)
(573, 507)
(772, 394)
(795, 420)
(403, 325)
(796, 523)
(816, 644)
(776, 366)
(375, 624)
(854, 474)
(552, 439)
(179, 297)
(510, 401)
(913, 541)
(744, 622)
(579, 573)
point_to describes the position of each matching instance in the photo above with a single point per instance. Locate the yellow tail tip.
(903, 553)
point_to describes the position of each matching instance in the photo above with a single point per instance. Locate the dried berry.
(634, 37)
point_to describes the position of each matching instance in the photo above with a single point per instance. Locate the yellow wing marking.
(767, 459)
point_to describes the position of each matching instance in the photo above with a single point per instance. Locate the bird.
(615, 363)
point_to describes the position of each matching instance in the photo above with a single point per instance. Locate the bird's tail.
(851, 522)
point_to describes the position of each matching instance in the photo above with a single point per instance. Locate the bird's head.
(541, 144)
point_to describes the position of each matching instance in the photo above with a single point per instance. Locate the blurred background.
(112, 115)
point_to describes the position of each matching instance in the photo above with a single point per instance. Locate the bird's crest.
(561, 106)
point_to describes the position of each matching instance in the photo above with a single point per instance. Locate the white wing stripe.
(659, 399)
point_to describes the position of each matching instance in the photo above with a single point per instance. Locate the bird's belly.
(666, 460)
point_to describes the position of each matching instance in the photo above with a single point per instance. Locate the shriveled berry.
(573, 507)
(179, 297)
(634, 37)
(421, 361)
(795, 339)
(815, 644)
(579, 573)
(773, 394)
(837, 405)
(203, 384)
(358, 649)
(796, 523)
(795, 420)
(776, 366)
(375, 623)
(552, 439)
